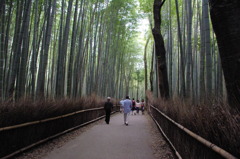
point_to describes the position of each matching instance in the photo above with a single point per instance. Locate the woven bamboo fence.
(18, 138)
(184, 142)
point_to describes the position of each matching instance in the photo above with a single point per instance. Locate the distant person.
(142, 106)
(133, 106)
(127, 105)
(138, 106)
(121, 105)
(108, 108)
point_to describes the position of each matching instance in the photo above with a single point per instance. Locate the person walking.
(133, 107)
(127, 105)
(138, 106)
(121, 105)
(108, 108)
(142, 106)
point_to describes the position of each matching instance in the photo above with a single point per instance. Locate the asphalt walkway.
(113, 141)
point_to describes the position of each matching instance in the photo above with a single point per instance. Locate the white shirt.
(138, 105)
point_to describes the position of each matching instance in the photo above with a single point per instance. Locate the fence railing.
(18, 138)
(186, 142)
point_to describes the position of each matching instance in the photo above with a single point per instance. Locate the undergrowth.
(211, 120)
(26, 110)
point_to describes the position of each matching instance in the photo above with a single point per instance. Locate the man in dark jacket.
(108, 108)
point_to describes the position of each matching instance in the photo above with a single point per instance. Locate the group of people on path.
(127, 106)
(137, 106)
(131, 106)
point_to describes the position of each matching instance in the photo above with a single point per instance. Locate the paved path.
(113, 141)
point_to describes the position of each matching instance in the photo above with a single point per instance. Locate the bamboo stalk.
(205, 142)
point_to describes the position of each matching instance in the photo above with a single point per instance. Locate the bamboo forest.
(182, 57)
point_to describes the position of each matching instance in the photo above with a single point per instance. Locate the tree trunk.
(24, 52)
(5, 55)
(34, 51)
(206, 32)
(2, 49)
(182, 65)
(44, 56)
(59, 86)
(63, 53)
(170, 51)
(160, 50)
(189, 48)
(72, 51)
(16, 47)
(152, 71)
(145, 64)
(202, 57)
(225, 16)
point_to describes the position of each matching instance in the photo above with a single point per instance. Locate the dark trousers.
(137, 108)
(107, 118)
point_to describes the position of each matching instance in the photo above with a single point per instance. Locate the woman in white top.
(138, 106)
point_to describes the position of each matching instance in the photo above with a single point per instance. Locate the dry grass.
(212, 120)
(26, 110)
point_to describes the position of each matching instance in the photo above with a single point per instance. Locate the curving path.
(113, 141)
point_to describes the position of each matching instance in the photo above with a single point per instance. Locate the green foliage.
(106, 31)
(146, 5)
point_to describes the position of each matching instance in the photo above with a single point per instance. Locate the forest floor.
(139, 140)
